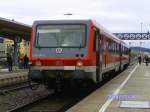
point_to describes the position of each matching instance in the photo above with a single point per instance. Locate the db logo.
(58, 50)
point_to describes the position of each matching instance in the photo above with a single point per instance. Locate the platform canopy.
(11, 29)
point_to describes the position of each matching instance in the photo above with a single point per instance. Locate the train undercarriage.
(62, 80)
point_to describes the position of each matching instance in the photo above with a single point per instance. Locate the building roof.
(12, 29)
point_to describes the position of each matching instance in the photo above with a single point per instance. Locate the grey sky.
(115, 15)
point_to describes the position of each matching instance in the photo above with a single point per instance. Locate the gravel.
(14, 99)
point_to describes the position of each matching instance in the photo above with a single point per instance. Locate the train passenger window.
(103, 45)
(113, 47)
(117, 48)
(110, 46)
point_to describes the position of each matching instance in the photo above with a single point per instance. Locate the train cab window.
(61, 35)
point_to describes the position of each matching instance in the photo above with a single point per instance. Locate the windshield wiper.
(81, 43)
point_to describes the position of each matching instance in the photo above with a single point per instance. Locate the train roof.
(67, 18)
(108, 34)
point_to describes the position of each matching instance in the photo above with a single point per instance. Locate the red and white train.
(74, 48)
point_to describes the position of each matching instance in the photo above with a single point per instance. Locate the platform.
(132, 85)
(8, 78)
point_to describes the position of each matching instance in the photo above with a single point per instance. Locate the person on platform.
(9, 62)
(21, 61)
(25, 62)
(139, 59)
(146, 60)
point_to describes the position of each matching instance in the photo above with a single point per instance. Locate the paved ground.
(5, 71)
(131, 85)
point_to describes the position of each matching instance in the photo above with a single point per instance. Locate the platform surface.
(8, 78)
(5, 71)
(132, 85)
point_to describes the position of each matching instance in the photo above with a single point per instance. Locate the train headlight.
(38, 63)
(79, 63)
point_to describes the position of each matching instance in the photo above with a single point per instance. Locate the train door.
(100, 55)
(98, 50)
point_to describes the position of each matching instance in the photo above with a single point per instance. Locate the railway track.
(13, 98)
(54, 102)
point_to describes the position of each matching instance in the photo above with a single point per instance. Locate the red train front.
(73, 49)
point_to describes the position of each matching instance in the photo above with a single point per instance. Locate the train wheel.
(106, 76)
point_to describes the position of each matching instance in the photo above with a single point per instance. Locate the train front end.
(60, 50)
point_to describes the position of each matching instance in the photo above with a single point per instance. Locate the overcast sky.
(115, 15)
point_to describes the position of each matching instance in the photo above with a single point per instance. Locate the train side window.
(117, 48)
(126, 51)
(113, 47)
(123, 50)
(109, 45)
